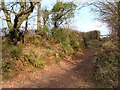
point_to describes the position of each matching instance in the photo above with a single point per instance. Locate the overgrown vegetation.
(51, 43)
(106, 66)
(107, 59)
(39, 51)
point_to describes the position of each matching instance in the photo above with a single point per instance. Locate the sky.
(84, 19)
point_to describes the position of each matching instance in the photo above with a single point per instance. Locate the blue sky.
(84, 19)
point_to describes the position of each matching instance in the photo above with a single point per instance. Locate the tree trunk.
(39, 19)
(21, 16)
(118, 29)
(13, 36)
(26, 26)
(55, 24)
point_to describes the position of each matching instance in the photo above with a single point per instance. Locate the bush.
(6, 67)
(88, 36)
(74, 41)
(33, 39)
(36, 40)
(69, 39)
(106, 66)
(59, 35)
(15, 51)
(35, 60)
(94, 42)
(39, 63)
(68, 50)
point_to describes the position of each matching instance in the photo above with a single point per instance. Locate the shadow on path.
(63, 75)
(80, 76)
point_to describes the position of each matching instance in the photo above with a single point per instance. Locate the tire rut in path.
(67, 74)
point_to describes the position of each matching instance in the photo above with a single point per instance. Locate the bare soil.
(74, 72)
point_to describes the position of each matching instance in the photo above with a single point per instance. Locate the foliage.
(59, 35)
(65, 42)
(92, 35)
(61, 12)
(33, 39)
(6, 67)
(109, 13)
(106, 66)
(36, 40)
(74, 40)
(45, 30)
(94, 42)
(35, 60)
(45, 16)
(70, 40)
(67, 49)
(15, 51)
(20, 16)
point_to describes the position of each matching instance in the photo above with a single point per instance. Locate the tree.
(61, 12)
(26, 24)
(108, 13)
(45, 16)
(20, 16)
(118, 29)
(38, 17)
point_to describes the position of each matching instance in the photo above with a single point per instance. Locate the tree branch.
(7, 15)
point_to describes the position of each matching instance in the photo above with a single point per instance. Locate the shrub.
(36, 40)
(94, 42)
(15, 51)
(35, 60)
(74, 41)
(106, 66)
(67, 49)
(81, 44)
(33, 39)
(59, 35)
(69, 39)
(6, 67)
(39, 63)
(92, 35)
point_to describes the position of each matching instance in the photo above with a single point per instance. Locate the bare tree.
(110, 13)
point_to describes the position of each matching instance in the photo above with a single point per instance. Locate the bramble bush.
(106, 66)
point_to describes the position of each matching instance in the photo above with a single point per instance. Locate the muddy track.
(75, 72)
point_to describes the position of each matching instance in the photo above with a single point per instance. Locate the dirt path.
(75, 72)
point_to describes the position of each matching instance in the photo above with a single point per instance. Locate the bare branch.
(7, 14)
